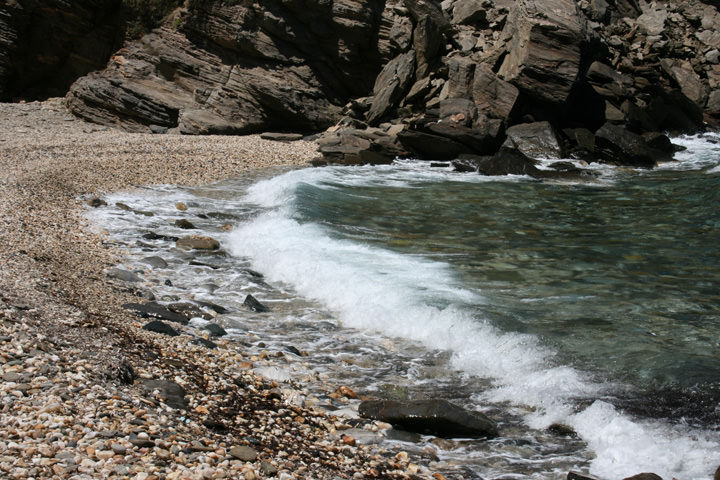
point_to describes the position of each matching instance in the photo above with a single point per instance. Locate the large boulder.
(391, 85)
(543, 58)
(435, 417)
(432, 146)
(620, 146)
(537, 140)
(508, 161)
(492, 95)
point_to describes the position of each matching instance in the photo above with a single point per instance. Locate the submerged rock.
(155, 261)
(198, 242)
(435, 417)
(253, 304)
(189, 310)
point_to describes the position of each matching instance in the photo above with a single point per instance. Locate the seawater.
(591, 304)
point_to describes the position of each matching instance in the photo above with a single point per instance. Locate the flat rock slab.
(244, 453)
(435, 417)
(281, 137)
(155, 310)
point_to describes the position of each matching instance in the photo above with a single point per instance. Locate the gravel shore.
(86, 393)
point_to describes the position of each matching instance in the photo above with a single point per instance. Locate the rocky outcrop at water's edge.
(408, 78)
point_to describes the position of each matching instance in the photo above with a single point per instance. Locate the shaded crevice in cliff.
(45, 45)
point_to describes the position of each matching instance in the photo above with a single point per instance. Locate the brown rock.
(198, 242)
(543, 57)
(244, 453)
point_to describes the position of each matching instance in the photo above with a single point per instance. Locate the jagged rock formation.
(598, 73)
(421, 78)
(45, 45)
(243, 67)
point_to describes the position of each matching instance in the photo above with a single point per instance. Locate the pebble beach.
(86, 392)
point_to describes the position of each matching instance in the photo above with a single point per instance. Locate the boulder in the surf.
(434, 417)
(198, 242)
(253, 304)
(620, 146)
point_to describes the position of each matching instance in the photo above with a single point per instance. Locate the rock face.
(239, 67)
(543, 57)
(46, 45)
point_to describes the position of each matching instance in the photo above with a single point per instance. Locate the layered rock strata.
(415, 78)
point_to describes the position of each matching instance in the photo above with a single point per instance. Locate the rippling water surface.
(594, 305)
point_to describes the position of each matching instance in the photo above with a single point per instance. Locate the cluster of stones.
(542, 79)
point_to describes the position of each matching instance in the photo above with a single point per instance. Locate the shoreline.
(73, 361)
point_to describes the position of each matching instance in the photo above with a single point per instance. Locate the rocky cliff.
(240, 67)
(411, 77)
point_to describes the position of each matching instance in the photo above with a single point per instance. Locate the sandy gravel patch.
(73, 363)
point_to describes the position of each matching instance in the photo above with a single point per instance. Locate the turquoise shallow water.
(622, 279)
(595, 305)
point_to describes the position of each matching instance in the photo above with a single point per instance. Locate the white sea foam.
(421, 300)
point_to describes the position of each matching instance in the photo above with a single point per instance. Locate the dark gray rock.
(189, 310)
(161, 327)
(468, 12)
(253, 304)
(172, 394)
(351, 146)
(159, 236)
(609, 83)
(213, 306)
(155, 262)
(281, 137)
(644, 476)
(435, 417)
(481, 140)
(240, 67)
(215, 330)
(96, 202)
(155, 310)
(430, 146)
(427, 42)
(579, 476)
(45, 46)
(185, 224)
(621, 147)
(203, 342)
(493, 96)
(124, 275)
(508, 161)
